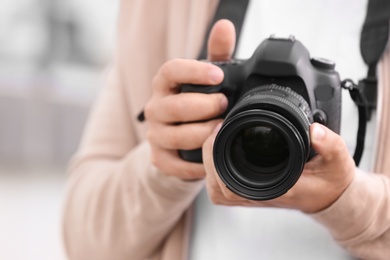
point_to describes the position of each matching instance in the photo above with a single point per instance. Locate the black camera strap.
(363, 111)
(232, 10)
(373, 42)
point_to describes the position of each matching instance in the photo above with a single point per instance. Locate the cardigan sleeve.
(360, 219)
(118, 205)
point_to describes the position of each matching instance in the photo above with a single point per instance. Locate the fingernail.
(224, 103)
(318, 132)
(217, 128)
(216, 75)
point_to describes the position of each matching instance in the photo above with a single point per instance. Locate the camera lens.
(262, 147)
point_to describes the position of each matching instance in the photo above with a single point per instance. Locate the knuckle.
(339, 148)
(216, 103)
(155, 80)
(149, 110)
(168, 68)
(211, 105)
(165, 69)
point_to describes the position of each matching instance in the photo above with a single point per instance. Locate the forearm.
(122, 209)
(360, 219)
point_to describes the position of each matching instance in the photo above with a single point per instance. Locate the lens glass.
(260, 148)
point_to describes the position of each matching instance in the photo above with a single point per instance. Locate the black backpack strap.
(233, 10)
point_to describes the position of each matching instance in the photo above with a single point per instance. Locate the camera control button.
(322, 63)
(290, 38)
(319, 116)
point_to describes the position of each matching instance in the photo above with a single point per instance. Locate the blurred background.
(52, 55)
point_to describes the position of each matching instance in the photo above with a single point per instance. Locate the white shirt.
(329, 29)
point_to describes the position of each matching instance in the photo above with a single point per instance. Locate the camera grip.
(205, 89)
(191, 155)
(227, 87)
(196, 154)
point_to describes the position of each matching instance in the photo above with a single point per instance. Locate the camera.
(274, 97)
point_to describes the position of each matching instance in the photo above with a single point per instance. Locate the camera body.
(273, 97)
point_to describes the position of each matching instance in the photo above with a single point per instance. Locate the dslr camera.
(274, 97)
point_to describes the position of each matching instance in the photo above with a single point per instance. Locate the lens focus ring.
(264, 143)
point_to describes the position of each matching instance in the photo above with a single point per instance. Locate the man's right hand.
(181, 121)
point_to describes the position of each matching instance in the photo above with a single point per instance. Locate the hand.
(323, 180)
(167, 108)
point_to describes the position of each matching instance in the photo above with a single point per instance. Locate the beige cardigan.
(119, 206)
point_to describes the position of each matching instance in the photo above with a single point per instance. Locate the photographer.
(130, 195)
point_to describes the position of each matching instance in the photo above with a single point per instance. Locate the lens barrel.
(264, 143)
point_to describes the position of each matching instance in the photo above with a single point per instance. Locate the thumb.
(222, 41)
(328, 144)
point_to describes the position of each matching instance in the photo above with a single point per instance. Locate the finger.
(328, 144)
(170, 164)
(187, 107)
(227, 193)
(183, 137)
(222, 40)
(217, 187)
(207, 149)
(179, 71)
(214, 191)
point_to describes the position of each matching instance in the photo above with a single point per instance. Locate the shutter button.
(322, 63)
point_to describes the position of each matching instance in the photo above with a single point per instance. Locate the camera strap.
(373, 41)
(232, 10)
(363, 110)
